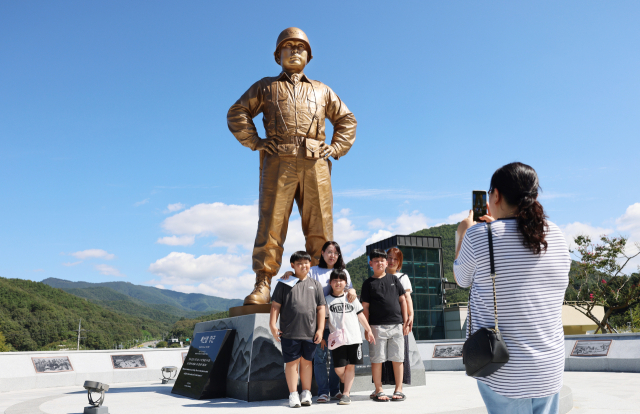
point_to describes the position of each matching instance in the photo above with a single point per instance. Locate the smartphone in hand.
(479, 204)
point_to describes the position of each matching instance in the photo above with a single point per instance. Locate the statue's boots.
(261, 294)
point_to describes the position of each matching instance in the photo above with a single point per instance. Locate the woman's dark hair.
(518, 184)
(338, 274)
(339, 264)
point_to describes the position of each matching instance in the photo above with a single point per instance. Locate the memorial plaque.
(447, 351)
(591, 348)
(204, 371)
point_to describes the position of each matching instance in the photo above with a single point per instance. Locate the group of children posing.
(324, 293)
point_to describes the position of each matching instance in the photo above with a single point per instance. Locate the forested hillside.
(36, 316)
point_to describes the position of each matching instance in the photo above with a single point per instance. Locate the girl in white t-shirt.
(394, 264)
(342, 315)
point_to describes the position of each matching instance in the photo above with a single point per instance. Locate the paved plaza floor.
(446, 392)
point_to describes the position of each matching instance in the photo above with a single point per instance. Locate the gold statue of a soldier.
(294, 159)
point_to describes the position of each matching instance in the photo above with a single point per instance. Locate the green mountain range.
(145, 301)
(36, 316)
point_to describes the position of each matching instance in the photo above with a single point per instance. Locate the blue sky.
(116, 162)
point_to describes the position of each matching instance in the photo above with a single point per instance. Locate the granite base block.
(256, 369)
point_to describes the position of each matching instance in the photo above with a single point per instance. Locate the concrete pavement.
(446, 392)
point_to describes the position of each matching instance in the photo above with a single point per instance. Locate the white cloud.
(139, 203)
(630, 221)
(189, 274)
(93, 254)
(108, 270)
(376, 224)
(409, 223)
(69, 264)
(160, 286)
(457, 217)
(627, 225)
(377, 236)
(231, 225)
(176, 240)
(183, 268)
(572, 230)
(345, 231)
(172, 208)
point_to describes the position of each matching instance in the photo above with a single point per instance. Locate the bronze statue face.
(293, 56)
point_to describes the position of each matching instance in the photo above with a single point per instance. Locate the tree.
(599, 281)
(161, 344)
(3, 344)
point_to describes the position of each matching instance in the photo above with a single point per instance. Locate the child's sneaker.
(294, 400)
(305, 398)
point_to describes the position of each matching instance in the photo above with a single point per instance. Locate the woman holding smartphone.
(531, 274)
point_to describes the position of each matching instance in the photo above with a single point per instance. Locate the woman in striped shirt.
(532, 272)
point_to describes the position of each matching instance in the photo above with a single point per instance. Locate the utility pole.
(80, 330)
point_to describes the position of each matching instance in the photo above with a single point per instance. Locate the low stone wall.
(18, 369)
(623, 354)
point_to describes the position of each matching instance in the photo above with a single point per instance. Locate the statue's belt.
(289, 147)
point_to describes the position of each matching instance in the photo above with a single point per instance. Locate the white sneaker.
(305, 398)
(294, 400)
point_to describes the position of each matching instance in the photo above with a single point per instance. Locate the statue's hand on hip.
(269, 145)
(326, 151)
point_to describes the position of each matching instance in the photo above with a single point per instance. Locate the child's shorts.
(347, 355)
(389, 344)
(293, 349)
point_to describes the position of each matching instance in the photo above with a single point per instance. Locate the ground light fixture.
(94, 387)
(169, 374)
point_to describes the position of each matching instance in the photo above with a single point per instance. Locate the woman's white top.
(530, 291)
(404, 280)
(322, 275)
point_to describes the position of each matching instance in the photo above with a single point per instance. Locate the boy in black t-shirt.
(301, 306)
(385, 308)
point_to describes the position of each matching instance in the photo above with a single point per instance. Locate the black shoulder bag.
(485, 352)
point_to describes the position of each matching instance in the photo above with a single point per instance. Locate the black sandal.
(380, 394)
(404, 397)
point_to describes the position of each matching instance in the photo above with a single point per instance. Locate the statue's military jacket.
(292, 110)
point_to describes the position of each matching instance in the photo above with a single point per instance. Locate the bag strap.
(493, 280)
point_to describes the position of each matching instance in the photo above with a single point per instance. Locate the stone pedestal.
(256, 369)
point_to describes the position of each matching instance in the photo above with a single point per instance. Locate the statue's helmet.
(292, 33)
